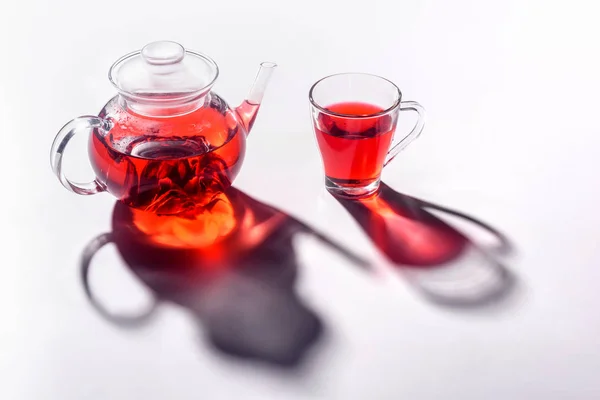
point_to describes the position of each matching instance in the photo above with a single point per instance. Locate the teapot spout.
(249, 108)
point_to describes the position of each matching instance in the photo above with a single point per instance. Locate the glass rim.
(337, 114)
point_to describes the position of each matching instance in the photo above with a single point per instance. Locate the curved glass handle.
(85, 123)
(126, 321)
(416, 131)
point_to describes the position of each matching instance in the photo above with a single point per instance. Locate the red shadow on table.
(231, 263)
(437, 259)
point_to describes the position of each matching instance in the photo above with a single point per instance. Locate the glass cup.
(354, 117)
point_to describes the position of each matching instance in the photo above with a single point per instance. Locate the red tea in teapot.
(166, 138)
(164, 165)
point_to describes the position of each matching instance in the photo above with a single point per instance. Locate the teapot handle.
(85, 123)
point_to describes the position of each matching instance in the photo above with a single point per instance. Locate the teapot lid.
(163, 72)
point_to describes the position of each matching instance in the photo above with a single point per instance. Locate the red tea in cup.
(354, 146)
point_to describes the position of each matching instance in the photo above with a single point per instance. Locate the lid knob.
(163, 53)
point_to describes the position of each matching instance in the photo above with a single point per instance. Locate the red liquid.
(165, 165)
(354, 147)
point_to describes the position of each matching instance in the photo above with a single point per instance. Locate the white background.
(511, 90)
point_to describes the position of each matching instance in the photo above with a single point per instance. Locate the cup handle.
(125, 321)
(85, 123)
(415, 133)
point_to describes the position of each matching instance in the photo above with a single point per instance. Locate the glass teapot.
(166, 137)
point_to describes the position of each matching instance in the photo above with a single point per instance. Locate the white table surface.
(512, 137)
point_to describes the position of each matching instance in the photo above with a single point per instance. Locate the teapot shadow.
(230, 263)
(439, 261)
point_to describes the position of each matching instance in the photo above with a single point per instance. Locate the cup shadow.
(230, 263)
(439, 261)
